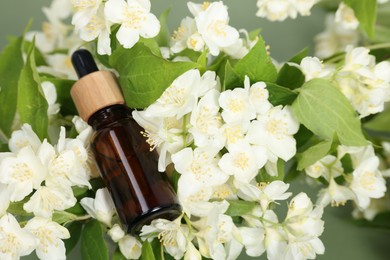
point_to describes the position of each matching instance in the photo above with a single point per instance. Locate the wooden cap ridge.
(95, 91)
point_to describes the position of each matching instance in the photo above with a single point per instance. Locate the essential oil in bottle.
(127, 166)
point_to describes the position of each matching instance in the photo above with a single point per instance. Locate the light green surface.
(342, 239)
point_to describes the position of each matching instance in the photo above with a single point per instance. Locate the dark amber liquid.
(129, 170)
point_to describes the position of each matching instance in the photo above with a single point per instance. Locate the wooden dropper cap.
(95, 89)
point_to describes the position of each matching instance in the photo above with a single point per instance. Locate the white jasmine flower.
(65, 166)
(200, 165)
(279, 10)
(192, 253)
(358, 154)
(365, 100)
(135, 19)
(85, 10)
(50, 93)
(264, 193)
(328, 167)
(303, 6)
(15, 241)
(212, 24)
(101, 207)
(84, 130)
(313, 68)
(4, 198)
(236, 106)
(130, 247)
(276, 10)
(181, 36)
(179, 98)
(359, 60)
(166, 134)
(206, 122)
(258, 96)
(275, 131)
(382, 1)
(216, 230)
(243, 161)
(275, 243)
(304, 226)
(172, 234)
(50, 235)
(116, 233)
(346, 16)
(54, 34)
(334, 39)
(98, 27)
(304, 249)
(234, 132)
(46, 199)
(194, 197)
(195, 42)
(253, 240)
(22, 173)
(368, 182)
(59, 65)
(23, 138)
(334, 195)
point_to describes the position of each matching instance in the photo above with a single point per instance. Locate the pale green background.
(342, 239)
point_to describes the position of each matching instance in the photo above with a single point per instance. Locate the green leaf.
(290, 77)
(324, 110)
(254, 34)
(240, 207)
(118, 255)
(62, 217)
(11, 63)
(175, 179)
(379, 125)
(365, 11)
(279, 95)
(231, 79)
(63, 87)
(152, 44)
(202, 61)
(313, 154)
(147, 251)
(16, 208)
(381, 221)
(263, 176)
(32, 105)
(77, 209)
(75, 229)
(143, 75)
(257, 64)
(39, 59)
(93, 246)
(164, 35)
(299, 56)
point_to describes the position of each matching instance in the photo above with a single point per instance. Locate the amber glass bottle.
(129, 169)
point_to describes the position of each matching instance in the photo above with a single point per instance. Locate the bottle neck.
(109, 115)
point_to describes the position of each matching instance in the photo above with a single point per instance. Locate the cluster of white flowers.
(55, 37)
(40, 176)
(209, 29)
(279, 10)
(364, 183)
(218, 142)
(365, 83)
(94, 18)
(335, 38)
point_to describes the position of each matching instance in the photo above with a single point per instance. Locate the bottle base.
(170, 212)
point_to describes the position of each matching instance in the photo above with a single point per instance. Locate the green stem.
(379, 46)
(188, 222)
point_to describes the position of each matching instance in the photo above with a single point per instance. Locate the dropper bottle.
(127, 166)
